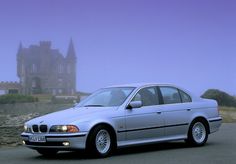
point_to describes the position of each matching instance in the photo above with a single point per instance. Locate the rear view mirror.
(134, 104)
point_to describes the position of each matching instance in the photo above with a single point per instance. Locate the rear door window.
(170, 95)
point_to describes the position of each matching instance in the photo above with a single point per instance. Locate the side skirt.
(128, 143)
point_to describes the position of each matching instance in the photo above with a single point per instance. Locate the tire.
(198, 133)
(47, 152)
(100, 142)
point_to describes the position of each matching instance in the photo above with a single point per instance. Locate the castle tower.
(21, 67)
(71, 68)
(71, 51)
(44, 70)
(19, 60)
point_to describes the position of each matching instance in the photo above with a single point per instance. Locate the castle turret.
(20, 48)
(71, 68)
(19, 59)
(71, 51)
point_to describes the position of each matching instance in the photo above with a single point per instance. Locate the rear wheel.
(100, 142)
(47, 152)
(198, 134)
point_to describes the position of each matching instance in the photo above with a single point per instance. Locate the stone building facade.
(43, 70)
(9, 87)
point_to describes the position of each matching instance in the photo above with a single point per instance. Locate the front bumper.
(76, 141)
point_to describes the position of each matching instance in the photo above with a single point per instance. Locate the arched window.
(33, 68)
(60, 68)
(68, 69)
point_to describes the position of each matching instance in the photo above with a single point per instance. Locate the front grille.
(40, 128)
(43, 128)
(35, 128)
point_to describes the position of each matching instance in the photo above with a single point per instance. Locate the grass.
(43, 97)
(228, 114)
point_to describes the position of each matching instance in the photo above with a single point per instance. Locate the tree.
(223, 98)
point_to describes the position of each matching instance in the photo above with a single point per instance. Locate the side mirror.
(134, 104)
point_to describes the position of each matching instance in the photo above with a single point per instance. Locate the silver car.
(125, 115)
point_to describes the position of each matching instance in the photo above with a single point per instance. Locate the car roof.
(137, 85)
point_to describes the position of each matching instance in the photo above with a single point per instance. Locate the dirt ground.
(228, 114)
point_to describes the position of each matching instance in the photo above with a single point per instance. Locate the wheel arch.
(202, 119)
(108, 126)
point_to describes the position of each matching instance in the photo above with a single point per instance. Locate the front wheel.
(100, 142)
(197, 135)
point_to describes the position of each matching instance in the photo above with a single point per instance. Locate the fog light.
(66, 143)
(23, 142)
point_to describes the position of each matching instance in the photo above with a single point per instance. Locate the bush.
(65, 99)
(223, 98)
(16, 98)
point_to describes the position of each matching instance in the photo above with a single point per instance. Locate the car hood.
(70, 115)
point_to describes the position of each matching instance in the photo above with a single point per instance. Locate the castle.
(43, 70)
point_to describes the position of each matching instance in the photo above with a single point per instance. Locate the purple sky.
(190, 43)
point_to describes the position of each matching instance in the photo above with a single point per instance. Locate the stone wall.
(13, 116)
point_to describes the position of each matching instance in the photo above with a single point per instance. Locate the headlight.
(27, 129)
(64, 129)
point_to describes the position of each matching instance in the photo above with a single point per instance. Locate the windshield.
(107, 97)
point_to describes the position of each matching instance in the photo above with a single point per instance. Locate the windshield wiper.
(95, 105)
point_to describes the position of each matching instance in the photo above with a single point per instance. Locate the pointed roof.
(71, 50)
(20, 48)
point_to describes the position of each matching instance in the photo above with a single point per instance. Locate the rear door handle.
(188, 109)
(158, 112)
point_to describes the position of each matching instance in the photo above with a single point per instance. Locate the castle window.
(54, 91)
(33, 84)
(60, 91)
(22, 79)
(68, 69)
(60, 68)
(60, 82)
(33, 68)
(22, 68)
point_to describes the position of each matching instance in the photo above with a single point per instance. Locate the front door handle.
(188, 109)
(158, 112)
